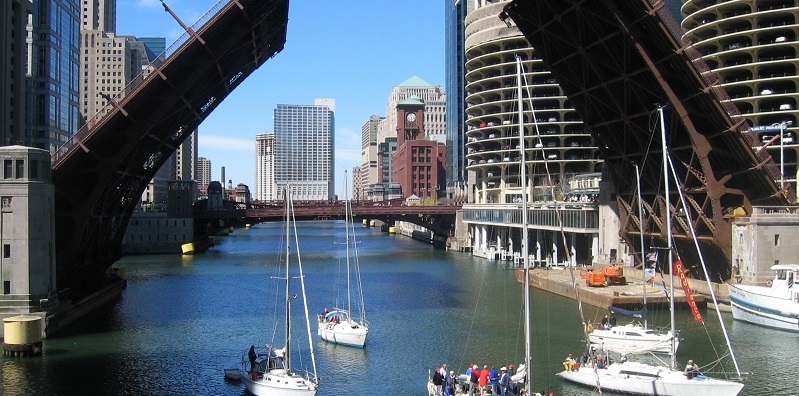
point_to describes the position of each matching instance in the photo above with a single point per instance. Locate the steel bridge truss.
(100, 174)
(617, 61)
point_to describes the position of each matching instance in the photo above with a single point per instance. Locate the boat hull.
(632, 339)
(753, 304)
(279, 383)
(344, 333)
(644, 379)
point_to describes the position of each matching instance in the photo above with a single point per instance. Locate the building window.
(6, 250)
(7, 169)
(7, 287)
(777, 240)
(20, 169)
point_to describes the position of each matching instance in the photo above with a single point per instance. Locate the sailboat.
(339, 326)
(634, 338)
(647, 379)
(273, 374)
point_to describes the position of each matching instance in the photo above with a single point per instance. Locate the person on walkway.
(482, 381)
(253, 356)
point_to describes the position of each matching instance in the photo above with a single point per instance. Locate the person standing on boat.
(504, 381)
(612, 321)
(474, 377)
(511, 384)
(449, 384)
(493, 380)
(483, 380)
(252, 355)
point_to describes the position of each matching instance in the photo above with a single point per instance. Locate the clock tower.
(410, 120)
(418, 164)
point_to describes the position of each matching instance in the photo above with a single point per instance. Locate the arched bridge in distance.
(439, 219)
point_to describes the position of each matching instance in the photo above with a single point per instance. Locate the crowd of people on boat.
(488, 381)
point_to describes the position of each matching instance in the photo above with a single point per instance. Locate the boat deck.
(559, 281)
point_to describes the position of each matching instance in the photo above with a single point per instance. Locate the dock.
(558, 280)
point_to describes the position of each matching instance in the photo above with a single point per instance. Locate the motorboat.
(775, 305)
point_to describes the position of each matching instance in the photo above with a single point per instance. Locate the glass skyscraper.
(304, 150)
(53, 83)
(455, 12)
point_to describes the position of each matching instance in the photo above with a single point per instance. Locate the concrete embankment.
(559, 281)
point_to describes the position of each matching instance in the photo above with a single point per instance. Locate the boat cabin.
(783, 283)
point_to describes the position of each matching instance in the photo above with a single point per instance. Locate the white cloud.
(149, 3)
(225, 143)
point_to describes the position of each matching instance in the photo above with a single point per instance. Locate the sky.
(352, 51)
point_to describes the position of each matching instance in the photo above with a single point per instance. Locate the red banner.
(679, 270)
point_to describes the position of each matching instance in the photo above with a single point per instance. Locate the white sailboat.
(775, 305)
(273, 374)
(634, 338)
(339, 326)
(646, 379)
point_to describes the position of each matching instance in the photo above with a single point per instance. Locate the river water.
(183, 319)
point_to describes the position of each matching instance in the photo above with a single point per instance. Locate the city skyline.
(354, 54)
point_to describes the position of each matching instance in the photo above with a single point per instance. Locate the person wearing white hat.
(504, 381)
(473, 379)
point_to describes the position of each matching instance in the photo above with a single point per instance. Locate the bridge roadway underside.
(438, 219)
(100, 175)
(616, 60)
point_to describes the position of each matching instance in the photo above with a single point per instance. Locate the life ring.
(769, 283)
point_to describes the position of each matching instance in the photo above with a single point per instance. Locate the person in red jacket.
(482, 382)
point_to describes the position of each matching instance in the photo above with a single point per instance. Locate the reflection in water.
(183, 319)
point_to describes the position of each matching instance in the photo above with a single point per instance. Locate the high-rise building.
(455, 83)
(203, 175)
(434, 100)
(265, 187)
(53, 113)
(435, 109)
(369, 170)
(304, 136)
(108, 62)
(186, 159)
(750, 47)
(13, 22)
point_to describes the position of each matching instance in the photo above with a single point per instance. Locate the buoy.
(22, 336)
(392, 230)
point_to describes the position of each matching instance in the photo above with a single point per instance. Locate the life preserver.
(769, 283)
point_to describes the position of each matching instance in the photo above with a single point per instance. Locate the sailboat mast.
(641, 230)
(347, 241)
(669, 257)
(525, 249)
(287, 352)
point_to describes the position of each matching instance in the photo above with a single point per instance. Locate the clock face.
(411, 117)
